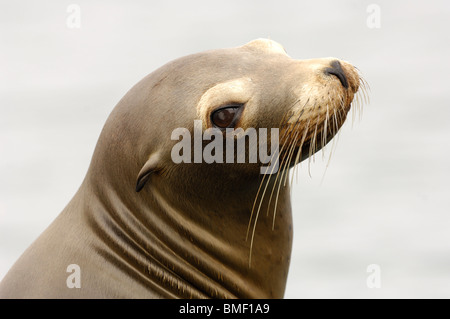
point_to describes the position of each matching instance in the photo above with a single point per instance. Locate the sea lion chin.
(145, 226)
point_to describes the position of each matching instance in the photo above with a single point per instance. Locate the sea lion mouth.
(303, 139)
(319, 113)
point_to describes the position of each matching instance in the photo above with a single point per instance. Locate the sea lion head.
(191, 225)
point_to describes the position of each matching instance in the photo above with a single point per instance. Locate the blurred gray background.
(384, 197)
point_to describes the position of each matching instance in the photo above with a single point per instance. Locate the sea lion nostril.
(336, 70)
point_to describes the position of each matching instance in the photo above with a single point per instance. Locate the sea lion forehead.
(266, 45)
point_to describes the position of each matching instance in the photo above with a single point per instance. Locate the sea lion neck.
(168, 234)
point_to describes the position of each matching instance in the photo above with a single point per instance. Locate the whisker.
(284, 160)
(294, 129)
(286, 132)
(329, 159)
(285, 172)
(260, 186)
(336, 125)
(324, 134)
(291, 152)
(312, 148)
(283, 165)
(305, 132)
(364, 89)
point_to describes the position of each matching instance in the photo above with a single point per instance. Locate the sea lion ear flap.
(150, 167)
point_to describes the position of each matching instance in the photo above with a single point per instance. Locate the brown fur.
(194, 230)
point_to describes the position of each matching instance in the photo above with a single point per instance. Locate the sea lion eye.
(225, 116)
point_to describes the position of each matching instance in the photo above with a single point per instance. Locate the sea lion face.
(308, 100)
(259, 86)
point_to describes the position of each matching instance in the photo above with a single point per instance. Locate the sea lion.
(143, 226)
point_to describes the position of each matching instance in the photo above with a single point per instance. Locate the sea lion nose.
(336, 70)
